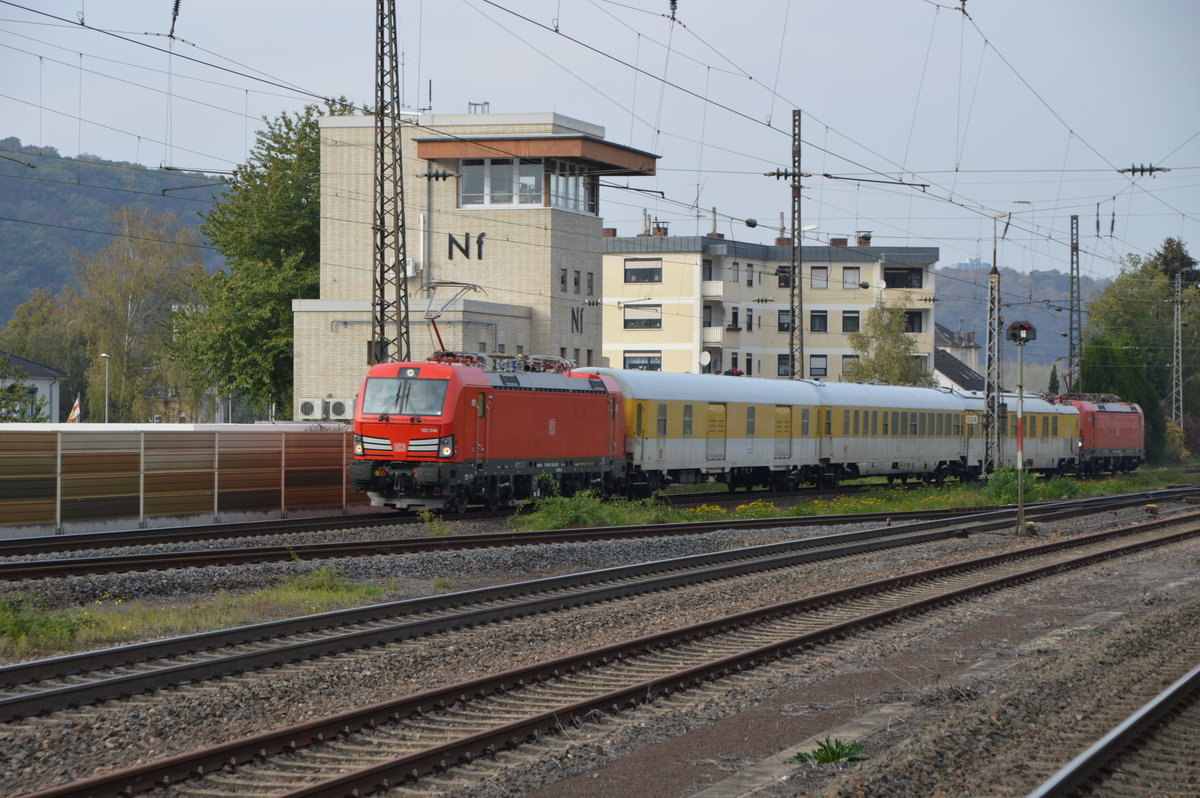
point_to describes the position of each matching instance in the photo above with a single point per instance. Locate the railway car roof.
(856, 394)
(673, 386)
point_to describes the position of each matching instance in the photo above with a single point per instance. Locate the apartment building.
(704, 304)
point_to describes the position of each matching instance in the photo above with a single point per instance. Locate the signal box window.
(643, 270)
(500, 181)
(903, 277)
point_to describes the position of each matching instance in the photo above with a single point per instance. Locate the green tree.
(14, 395)
(235, 335)
(42, 329)
(1052, 386)
(267, 225)
(123, 308)
(886, 350)
(1111, 365)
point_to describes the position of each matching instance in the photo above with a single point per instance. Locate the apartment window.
(589, 357)
(736, 274)
(643, 317)
(733, 320)
(818, 321)
(783, 366)
(848, 360)
(750, 274)
(687, 421)
(706, 269)
(482, 346)
(591, 283)
(849, 321)
(912, 321)
(749, 319)
(500, 349)
(500, 181)
(785, 321)
(562, 280)
(903, 277)
(643, 270)
(819, 277)
(577, 281)
(642, 361)
(784, 273)
(749, 365)
(733, 361)
(850, 277)
(818, 365)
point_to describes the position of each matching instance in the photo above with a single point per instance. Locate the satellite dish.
(705, 358)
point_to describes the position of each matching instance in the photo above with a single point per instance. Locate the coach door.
(715, 445)
(783, 432)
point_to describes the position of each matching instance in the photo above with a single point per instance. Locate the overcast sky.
(1026, 108)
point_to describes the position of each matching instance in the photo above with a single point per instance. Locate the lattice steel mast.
(991, 382)
(796, 294)
(1074, 335)
(390, 340)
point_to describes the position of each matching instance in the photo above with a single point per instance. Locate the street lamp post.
(1021, 332)
(106, 359)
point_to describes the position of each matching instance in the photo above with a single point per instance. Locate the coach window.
(750, 421)
(903, 431)
(643, 270)
(1033, 426)
(875, 422)
(921, 424)
(828, 422)
(661, 425)
(637, 428)
(804, 422)
(845, 422)
(687, 421)
(912, 422)
(1054, 426)
(941, 425)
(885, 423)
(856, 422)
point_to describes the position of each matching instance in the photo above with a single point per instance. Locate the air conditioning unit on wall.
(314, 409)
(340, 408)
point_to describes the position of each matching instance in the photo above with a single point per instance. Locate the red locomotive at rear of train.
(1112, 434)
(448, 432)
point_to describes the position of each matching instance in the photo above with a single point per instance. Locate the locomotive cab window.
(404, 396)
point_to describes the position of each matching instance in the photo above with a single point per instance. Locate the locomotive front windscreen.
(404, 396)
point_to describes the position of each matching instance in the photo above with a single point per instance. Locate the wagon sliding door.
(715, 445)
(783, 432)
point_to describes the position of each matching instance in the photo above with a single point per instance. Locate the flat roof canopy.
(612, 159)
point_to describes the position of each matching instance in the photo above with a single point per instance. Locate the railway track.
(376, 747)
(1152, 752)
(14, 569)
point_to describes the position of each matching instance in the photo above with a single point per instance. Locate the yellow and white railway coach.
(687, 428)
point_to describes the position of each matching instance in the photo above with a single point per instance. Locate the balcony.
(712, 336)
(712, 289)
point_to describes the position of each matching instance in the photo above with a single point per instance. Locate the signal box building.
(704, 304)
(503, 239)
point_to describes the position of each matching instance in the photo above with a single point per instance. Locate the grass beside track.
(28, 629)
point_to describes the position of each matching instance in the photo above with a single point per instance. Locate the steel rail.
(410, 618)
(45, 569)
(177, 768)
(1088, 765)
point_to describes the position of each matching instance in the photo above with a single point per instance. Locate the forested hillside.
(1039, 297)
(52, 206)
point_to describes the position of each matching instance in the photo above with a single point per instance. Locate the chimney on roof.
(785, 241)
(714, 235)
(838, 242)
(659, 230)
(864, 238)
(608, 232)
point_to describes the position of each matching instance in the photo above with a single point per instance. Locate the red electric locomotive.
(1112, 433)
(464, 428)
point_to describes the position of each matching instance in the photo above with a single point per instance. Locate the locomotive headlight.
(358, 444)
(446, 446)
